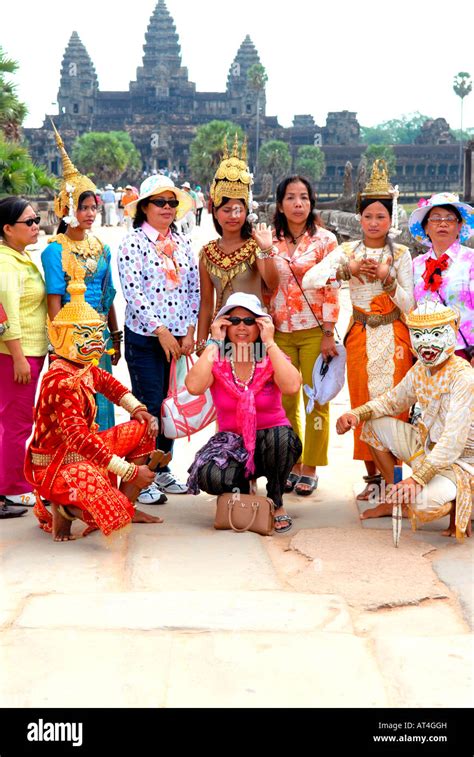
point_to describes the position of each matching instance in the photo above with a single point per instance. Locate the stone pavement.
(180, 615)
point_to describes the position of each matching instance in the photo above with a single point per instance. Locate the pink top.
(268, 405)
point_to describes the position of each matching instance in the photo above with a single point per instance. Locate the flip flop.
(291, 482)
(283, 519)
(308, 481)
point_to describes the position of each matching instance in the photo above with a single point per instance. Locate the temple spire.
(161, 46)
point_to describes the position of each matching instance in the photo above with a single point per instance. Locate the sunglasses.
(160, 202)
(30, 221)
(248, 320)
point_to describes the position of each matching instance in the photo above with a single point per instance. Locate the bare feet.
(369, 494)
(383, 510)
(451, 530)
(61, 526)
(140, 517)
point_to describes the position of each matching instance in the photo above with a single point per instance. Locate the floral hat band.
(443, 198)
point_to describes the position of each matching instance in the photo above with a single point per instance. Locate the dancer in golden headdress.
(440, 449)
(242, 256)
(379, 272)
(76, 207)
(68, 462)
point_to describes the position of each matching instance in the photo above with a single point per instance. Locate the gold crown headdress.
(72, 186)
(232, 178)
(76, 333)
(429, 314)
(379, 188)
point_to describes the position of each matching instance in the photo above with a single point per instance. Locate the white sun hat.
(156, 185)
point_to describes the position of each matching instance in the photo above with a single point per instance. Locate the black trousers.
(276, 452)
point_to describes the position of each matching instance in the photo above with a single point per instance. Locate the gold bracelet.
(131, 404)
(362, 413)
(131, 473)
(424, 473)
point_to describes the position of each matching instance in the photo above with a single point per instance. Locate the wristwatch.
(326, 332)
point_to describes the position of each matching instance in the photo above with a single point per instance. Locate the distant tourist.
(119, 206)
(77, 210)
(129, 195)
(189, 221)
(23, 346)
(379, 273)
(108, 198)
(304, 321)
(446, 272)
(242, 257)
(200, 201)
(160, 284)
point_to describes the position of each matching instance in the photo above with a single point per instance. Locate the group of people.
(258, 308)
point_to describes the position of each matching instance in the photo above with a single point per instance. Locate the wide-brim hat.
(242, 300)
(109, 186)
(443, 198)
(156, 185)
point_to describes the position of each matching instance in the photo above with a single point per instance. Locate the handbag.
(328, 379)
(245, 512)
(182, 413)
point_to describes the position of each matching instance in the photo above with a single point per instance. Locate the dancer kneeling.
(440, 449)
(256, 438)
(68, 462)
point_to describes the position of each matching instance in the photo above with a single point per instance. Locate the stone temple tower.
(161, 77)
(242, 98)
(78, 84)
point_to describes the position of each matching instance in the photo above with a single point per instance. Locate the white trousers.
(403, 441)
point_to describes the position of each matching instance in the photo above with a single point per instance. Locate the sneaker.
(23, 500)
(166, 482)
(152, 496)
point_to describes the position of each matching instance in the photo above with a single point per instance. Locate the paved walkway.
(181, 615)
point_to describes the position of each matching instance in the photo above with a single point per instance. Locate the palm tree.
(18, 174)
(12, 111)
(462, 86)
(257, 78)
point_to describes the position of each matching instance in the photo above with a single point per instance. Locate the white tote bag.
(182, 413)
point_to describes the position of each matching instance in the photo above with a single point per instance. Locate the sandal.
(283, 519)
(306, 481)
(291, 482)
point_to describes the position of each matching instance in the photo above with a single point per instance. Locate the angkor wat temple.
(162, 109)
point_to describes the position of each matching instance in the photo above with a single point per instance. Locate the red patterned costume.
(68, 462)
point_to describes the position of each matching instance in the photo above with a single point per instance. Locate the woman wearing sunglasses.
(23, 346)
(445, 273)
(76, 207)
(247, 374)
(160, 283)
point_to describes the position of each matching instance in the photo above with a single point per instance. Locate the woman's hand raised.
(263, 236)
(219, 328)
(267, 330)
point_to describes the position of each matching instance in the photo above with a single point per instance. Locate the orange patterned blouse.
(287, 305)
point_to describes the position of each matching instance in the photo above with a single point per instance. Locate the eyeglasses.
(30, 221)
(160, 202)
(248, 320)
(440, 219)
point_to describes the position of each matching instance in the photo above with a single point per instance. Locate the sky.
(379, 59)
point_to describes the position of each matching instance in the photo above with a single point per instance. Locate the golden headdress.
(77, 332)
(72, 186)
(430, 314)
(232, 178)
(379, 188)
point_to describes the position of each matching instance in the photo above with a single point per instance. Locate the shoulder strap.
(307, 301)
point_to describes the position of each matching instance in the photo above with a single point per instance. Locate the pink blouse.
(268, 404)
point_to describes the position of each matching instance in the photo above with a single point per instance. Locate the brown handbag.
(245, 512)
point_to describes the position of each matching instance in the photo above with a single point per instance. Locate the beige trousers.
(403, 441)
